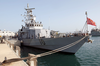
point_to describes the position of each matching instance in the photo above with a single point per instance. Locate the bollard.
(8, 45)
(12, 46)
(32, 61)
(3, 41)
(18, 50)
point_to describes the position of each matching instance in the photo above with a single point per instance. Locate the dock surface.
(5, 51)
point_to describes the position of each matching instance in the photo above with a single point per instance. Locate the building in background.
(6, 33)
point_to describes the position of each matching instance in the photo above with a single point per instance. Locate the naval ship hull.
(54, 43)
(95, 34)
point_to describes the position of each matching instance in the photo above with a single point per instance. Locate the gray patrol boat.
(34, 35)
(95, 32)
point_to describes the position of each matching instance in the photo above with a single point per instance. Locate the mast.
(28, 16)
(86, 22)
(85, 27)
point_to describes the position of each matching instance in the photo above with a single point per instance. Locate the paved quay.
(5, 51)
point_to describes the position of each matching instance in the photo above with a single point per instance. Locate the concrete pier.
(6, 51)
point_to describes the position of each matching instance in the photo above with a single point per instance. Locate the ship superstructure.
(32, 29)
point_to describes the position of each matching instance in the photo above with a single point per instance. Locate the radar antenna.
(28, 15)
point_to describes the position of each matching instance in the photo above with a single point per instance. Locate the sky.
(59, 15)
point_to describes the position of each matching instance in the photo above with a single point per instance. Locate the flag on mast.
(90, 22)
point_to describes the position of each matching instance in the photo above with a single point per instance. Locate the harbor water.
(87, 55)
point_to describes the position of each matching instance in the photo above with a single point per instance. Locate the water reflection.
(57, 59)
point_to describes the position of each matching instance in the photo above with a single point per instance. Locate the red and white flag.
(91, 22)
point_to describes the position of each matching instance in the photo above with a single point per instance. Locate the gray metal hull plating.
(54, 43)
(95, 33)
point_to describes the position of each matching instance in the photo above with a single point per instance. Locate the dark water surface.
(87, 55)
